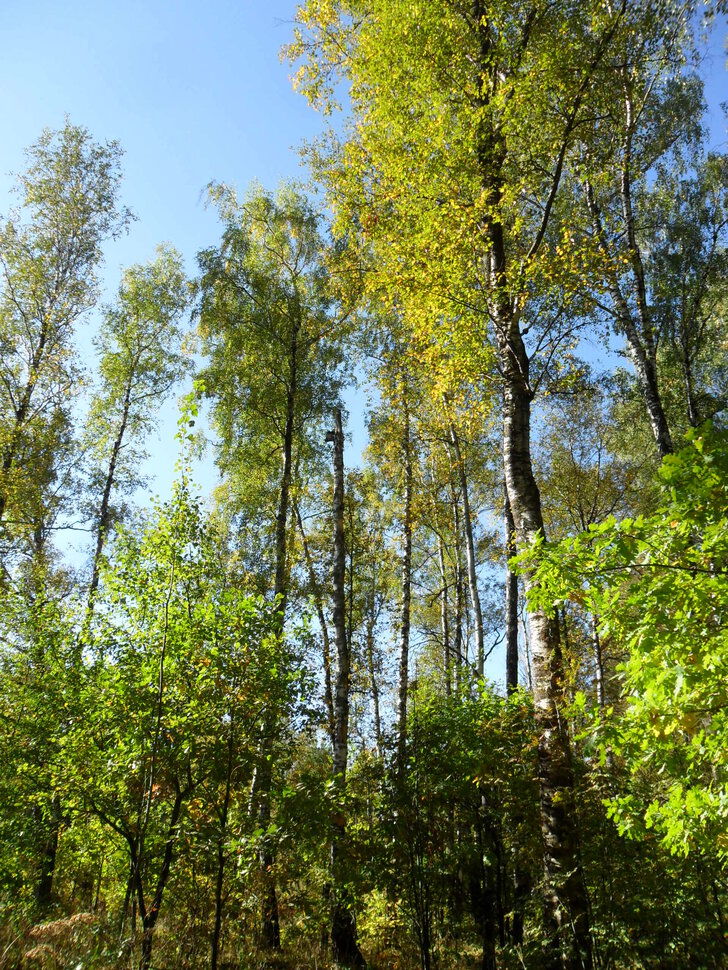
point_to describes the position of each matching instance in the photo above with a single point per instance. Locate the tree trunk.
(151, 915)
(220, 875)
(487, 898)
(371, 621)
(280, 587)
(404, 632)
(326, 644)
(270, 923)
(521, 876)
(692, 408)
(644, 351)
(458, 639)
(566, 913)
(102, 524)
(641, 344)
(343, 928)
(49, 851)
(598, 661)
(341, 696)
(511, 602)
(444, 619)
(470, 553)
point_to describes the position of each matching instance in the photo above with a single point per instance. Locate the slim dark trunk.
(489, 961)
(371, 621)
(326, 643)
(48, 854)
(457, 642)
(444, 619)
(102, 524)
(341, 696)
(469, 553)
(151, 915)
(511, 602)
(459, 646)
(404, 630)
(343, 927)
(147, 943)
(220, 875)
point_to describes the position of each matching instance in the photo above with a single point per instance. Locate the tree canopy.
(454, 696)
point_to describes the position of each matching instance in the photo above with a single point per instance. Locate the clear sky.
(193, 91)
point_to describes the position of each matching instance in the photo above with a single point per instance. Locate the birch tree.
(271, 327)
(343, 928)
(139, 343)
(51, 247)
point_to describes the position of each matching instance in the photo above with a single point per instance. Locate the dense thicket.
(460, 703)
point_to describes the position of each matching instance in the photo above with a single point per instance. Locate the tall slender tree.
(646, 110)
(51, 247)
(272, 329)
(139, 343)
(343, 928)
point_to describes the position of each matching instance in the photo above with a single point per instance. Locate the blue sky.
(193, 92)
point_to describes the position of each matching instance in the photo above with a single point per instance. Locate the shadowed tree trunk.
(270, 923)
(458, 644)
(511, 602)
(469, 553)
(150, 914)
(345, 950)
(444, 619)
(404, 630)
(370, 624)
(48, 853)
(325, 642)
(566, 911)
